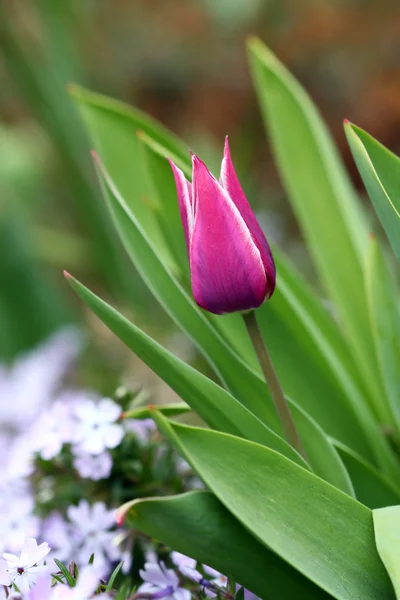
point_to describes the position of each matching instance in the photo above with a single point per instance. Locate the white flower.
(158, 579)
(22, 571)
(96, 427)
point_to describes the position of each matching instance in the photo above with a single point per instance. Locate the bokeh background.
(183, 62)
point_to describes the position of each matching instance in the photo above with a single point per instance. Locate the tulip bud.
(231, 265)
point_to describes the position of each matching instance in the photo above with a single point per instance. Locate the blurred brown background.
(184, 62)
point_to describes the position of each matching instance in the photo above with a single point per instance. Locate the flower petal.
(229, 180)
(226, 267)
(4, 574)
(184, 191)
(31, 553)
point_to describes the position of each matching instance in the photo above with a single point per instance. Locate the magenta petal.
(226, 267)
(230, 182)
(184, 191)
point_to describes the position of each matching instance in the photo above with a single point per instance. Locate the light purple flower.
(85, 588)
(96, 427)
(94, 467)
(231, 264)
(17, 523)
(22, 571)
(92, 529)
(56, 426)
(181, 560)
(61, 536)
(187, 566)
(161, 582)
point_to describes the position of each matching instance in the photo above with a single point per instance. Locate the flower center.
(20, 570)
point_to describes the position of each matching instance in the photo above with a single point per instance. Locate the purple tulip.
(231, 264)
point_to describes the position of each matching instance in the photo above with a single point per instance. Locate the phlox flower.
(22, 571)
(160, 582)
(94, 467)
(96, 429)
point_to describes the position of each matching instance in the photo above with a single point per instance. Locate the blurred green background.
(183, 62)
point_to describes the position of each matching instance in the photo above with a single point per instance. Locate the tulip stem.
(278, 397)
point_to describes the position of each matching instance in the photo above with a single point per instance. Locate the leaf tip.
(67, 275)
(95, 156)
(122, 511)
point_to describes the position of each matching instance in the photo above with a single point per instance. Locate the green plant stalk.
(278, 397)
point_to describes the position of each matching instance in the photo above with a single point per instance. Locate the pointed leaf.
(380, 171)
(321, 195)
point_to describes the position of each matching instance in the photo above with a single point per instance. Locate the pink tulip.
(231, 264)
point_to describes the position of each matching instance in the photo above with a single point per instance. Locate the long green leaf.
(380, 171)
(213, 404)
(198, 525)
(387, 536)
(371, 487)
(322, 532)
(383, 302)
(216, 406)
(113, 127)
(322, 198)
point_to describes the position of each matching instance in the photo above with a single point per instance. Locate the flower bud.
(231, 265)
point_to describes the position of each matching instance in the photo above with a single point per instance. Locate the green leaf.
(295, 323)
(320, 531)
(380, 172)
(216, 406)
(372, 488)
(383, 303)
(114, 576)
(199, 526)
(70, 580)
(113, 127)
(322, 198)
(387, 537)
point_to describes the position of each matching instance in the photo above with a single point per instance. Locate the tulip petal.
(230, 182)
(226, 267)
(184, 191)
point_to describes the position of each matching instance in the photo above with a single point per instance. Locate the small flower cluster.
(68, 459)
(29, 577)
